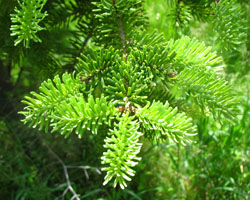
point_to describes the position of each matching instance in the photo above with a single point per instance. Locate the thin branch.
(66, 174)
(82, 47)
(97, 170)
(121, 28)
(19, 78)
(69, 186)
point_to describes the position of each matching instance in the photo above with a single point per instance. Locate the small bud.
(172, 75)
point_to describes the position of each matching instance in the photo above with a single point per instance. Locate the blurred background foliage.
(216, 166)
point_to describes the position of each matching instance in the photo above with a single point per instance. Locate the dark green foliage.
(116, 21)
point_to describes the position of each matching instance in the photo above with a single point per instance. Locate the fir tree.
(116, 79)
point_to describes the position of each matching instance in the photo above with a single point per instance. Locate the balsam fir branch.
(80, 115)
(181, 13)
(204, 88)
(26, 21)
(186, 51)
(115, 89)
(123, 149)
(229, 25)
(41, 107)
(166, 122)
(123, 18)
(225, 17)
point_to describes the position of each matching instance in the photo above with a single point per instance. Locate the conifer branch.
(82, 48)
(121, 29)
(26, 21)
(123, 147)
(229, 25)
(166, 122)
(131, 89)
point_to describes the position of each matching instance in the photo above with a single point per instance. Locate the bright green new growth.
(26, 21)
(136, 84)
(166, 122)
(123, 147)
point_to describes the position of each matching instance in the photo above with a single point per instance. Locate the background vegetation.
(32, 163)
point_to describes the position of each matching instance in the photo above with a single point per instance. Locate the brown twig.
(66, 174)
(85, 169)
